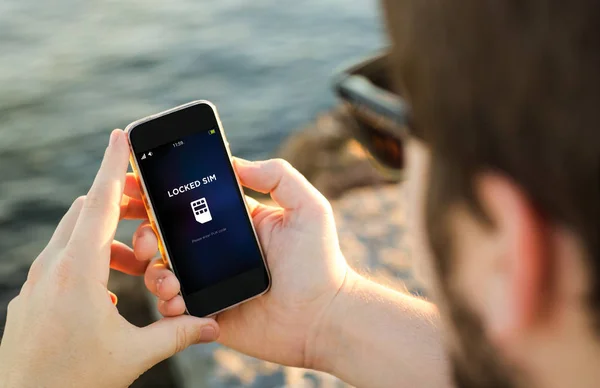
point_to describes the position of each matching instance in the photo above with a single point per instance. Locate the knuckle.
(94, 201)
(79, 201)
(13, 304)
(182, 337)
(320, 209)
(28, 288)
(63, 269)
(324, 205)
(35, 271)
(282, 165)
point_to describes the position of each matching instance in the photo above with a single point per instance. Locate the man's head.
(506, 95)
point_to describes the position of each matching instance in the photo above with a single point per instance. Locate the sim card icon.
(201, 211)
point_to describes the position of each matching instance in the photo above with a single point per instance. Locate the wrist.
(326, 340)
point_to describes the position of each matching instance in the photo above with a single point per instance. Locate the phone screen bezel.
(149, 133)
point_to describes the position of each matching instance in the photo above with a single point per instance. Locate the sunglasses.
(379, 117)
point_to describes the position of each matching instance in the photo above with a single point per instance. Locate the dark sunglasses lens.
(385, 148)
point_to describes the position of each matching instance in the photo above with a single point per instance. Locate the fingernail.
(114, 136)
(113, 298)
(208, 334)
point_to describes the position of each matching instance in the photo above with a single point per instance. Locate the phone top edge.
(131, 126)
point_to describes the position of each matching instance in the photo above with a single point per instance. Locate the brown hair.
(511, 86)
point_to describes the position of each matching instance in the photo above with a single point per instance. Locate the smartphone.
(197, 207)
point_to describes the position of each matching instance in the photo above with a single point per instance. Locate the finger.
(171, 308)
(259, 212)
(287, 186)
(252, 204)
(97, 223)
(169, 336)
(145, 243)
(167, 287)
(257, 209)
(132, 209)
(132, 188)
(160, 281)
(123, 259)
(63, 231)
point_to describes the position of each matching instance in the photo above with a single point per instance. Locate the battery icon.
(211, 132)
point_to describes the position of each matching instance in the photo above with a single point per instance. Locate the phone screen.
(198, 205)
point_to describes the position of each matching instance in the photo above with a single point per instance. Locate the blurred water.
(79, 66)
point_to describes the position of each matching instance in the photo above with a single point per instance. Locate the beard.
(475, 363)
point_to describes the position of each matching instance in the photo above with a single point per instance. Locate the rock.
(327, 155)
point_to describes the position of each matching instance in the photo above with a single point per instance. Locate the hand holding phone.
(300, 242)
(63, 328)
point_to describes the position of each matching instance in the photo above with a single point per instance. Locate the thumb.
(287, 186)
(169, 336)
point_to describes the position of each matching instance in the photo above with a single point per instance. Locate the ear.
(518, 275)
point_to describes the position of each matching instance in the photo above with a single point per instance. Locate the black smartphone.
(197, 207)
